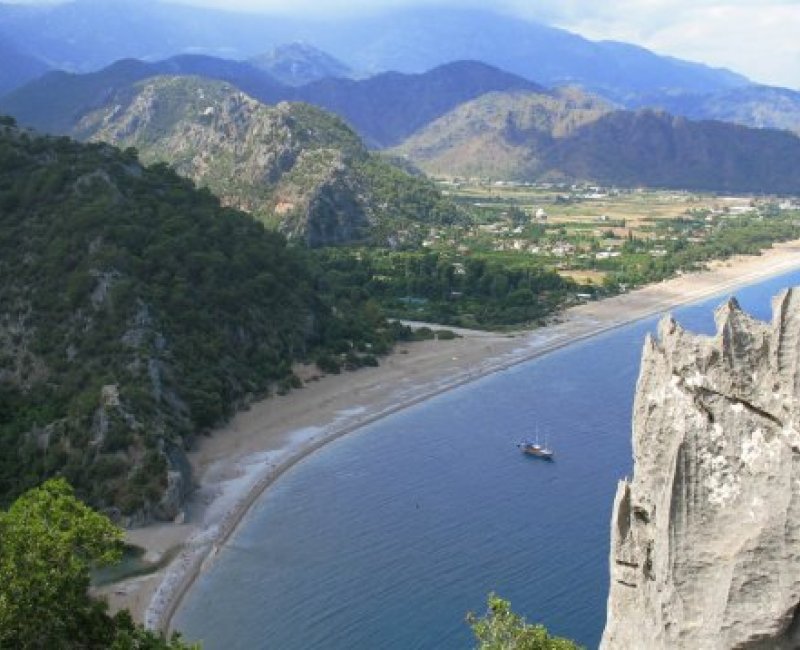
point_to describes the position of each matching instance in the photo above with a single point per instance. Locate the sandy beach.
(237, 463)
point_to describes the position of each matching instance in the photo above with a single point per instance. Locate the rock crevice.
(705, 540)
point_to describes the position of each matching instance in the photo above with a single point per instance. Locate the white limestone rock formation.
(705, 540)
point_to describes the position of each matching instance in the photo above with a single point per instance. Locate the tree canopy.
(136, 312)
(49, 540)
(501, 629)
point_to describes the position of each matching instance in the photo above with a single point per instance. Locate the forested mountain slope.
(137, 312)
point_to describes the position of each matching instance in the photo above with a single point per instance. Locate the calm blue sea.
(384, 539)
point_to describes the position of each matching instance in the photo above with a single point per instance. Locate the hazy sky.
(760, 38)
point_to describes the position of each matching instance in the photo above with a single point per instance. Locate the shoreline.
(240, 461)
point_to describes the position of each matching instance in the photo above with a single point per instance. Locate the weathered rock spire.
(705, 540)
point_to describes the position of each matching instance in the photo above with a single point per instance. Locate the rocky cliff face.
(275, 162)
(705, 542)
(295, 167)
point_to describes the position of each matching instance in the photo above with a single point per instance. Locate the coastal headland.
(238, 462)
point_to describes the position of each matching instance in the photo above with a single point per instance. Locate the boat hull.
(535, 450)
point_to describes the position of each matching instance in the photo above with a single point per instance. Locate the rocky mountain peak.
(299, 63)
(253, 156)
(294, 167)
(705, 538)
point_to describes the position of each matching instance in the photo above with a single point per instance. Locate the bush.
(446, 335)
(329, 364)
(501, 629)
(423, 334)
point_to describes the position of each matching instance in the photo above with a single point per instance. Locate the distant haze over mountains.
(464, 118)
(90, 34)
(760, 106)
(87, 35)
(466, 92)
(296, 64)
(17, 67)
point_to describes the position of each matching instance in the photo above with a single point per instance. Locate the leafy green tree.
(129, 636)
(48, 542)
(502, 629)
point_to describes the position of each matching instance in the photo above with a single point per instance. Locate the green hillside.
(137, 312)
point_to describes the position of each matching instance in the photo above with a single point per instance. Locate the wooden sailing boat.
(535, 449)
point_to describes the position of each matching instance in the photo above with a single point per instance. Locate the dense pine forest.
(137, 312)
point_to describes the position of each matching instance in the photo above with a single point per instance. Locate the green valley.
(533, 249)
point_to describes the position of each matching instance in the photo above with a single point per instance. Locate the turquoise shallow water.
(386, 537)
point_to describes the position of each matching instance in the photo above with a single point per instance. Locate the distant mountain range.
(464, 118)
(758, 106)
(297, 64)
(16, 67)
(86, 35)
(483, 116)
(89, 34)
(384, 109)
(523, 136)
(389, 107)
(417, 39)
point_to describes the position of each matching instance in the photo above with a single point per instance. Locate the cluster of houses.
(508, 233)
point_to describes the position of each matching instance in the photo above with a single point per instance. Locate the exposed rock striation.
(280, 163)
(292, 166)
(705, 541)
